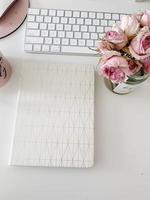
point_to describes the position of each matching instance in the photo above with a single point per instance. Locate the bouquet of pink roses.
(125, 50)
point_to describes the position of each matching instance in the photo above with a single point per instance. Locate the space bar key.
(77, 50)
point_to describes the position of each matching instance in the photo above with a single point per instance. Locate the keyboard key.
(73, 49)
(55, 49)
(100, 29)
(51, 26)
(115, 16)
(71, 21)
(100, 16)
(96, 22)
(37, 47)
(52, 12)
(59, 27)
(64, 20)
(94, 36)
(39, 18)
(48, 40)
(81, 42)
(85, 35)
(84, 14)
(90, 43)
(55, 20)
(68, 13)
(47, 19)
(65, 41)
(92, 29)
(56, 41)
(75, 27)
(69, 34)
(52, 33)
(96, 43)
(76, 14)
(84, 28)
(100, 35)
(45, 48)
(111, 22)
(43, 26)
(103, 22)
(33, 11)
(91, 15)
(31, 18)
(73, 42)
(107, 29)
(77, 35)
(34, 40)
(32, 25)
(107, 16)
(44, 11)
(60, 13)
(44, 33)
(79, 21)
(67, 27)
(88, 21)
(61, 34)
(31, 32)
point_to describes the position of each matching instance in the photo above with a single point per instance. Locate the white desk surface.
(122, 133)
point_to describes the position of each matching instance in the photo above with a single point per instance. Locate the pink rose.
(117, 37)
(130, 25)
(145, 19)
(114, 68)
(104, 46)
(114, 74)
(140, 45)
(134, 66)
(146, 64)
(138, 16)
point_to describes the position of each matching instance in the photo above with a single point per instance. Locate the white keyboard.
(66, 31)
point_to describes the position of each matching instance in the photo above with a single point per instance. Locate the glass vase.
(130, 85)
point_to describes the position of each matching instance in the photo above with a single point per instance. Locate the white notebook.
(55, 116)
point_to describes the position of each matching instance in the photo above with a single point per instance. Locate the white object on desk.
(66, 31)
(55, 116)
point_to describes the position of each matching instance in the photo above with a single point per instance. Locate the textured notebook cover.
(55, 116)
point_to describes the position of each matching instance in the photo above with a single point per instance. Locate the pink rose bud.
(114, 68)
(140, 45)
(5, 71)
(146, 64)
(134, 66)
(145, 19)
(117, 37)
(104, 46)
(130, 25)
(138, 16)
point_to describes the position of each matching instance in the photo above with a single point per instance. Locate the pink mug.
(5, 70)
